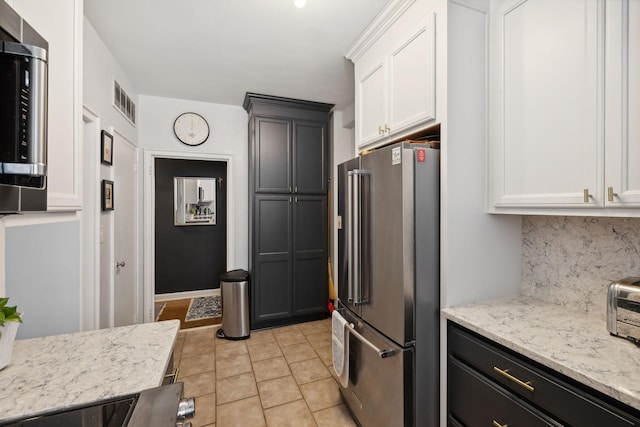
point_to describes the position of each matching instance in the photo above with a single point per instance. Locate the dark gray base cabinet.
(489, 385)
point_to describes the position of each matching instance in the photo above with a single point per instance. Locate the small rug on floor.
(204, 308)
(157, 309)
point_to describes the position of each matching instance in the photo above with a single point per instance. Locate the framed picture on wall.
(106, 154)
(107, 195)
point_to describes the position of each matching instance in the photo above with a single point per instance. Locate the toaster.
(623, 308)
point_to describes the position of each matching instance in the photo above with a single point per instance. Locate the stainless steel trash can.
(234, 289)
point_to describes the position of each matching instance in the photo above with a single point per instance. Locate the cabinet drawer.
(475, 401)
(568, 403)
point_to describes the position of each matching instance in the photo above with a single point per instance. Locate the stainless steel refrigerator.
(389, 283)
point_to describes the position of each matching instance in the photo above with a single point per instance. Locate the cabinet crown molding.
(376, 28)
(252, 99)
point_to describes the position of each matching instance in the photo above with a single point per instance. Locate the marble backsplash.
(571, 260)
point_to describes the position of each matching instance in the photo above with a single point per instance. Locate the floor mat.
(204, 308)
(177, 309)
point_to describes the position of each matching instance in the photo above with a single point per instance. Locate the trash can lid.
(234, 276)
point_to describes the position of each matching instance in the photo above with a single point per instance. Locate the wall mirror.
(194, 200)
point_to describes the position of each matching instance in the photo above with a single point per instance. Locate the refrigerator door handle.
(350, 242)
(355, 235)
(382, 353)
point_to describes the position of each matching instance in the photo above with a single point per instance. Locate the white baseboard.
(185, 295)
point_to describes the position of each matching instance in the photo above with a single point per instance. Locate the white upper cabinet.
(622, 108)
(60, 23)
(395, 83)
(563, 93)
(412, 78)
(372, 95)
(545, 98)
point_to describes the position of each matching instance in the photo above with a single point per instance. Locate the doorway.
(150, 207)
(189, 258)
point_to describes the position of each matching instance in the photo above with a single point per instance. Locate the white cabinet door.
(546, 97)
(207, 190)
(622, 109)
(371, 97)
(395, 83)
(190, 191)
(412, 78)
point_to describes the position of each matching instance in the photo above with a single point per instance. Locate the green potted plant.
(9, 321)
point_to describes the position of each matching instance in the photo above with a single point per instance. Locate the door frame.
(90, 230)
(149, 208)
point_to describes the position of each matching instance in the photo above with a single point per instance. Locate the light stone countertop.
(62, 371)
(573, 343)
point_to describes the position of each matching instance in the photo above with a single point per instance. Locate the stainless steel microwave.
(23, 127)
(23, 115)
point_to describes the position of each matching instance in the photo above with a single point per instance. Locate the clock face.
(191, 129)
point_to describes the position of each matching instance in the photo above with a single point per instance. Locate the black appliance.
(158, 407)
(23, 115)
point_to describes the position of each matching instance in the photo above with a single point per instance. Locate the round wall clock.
(191, 129)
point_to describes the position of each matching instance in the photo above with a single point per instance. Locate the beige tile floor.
(278, 377)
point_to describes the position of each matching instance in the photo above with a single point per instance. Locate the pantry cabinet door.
(272, 155)
(309, 255)
(622, 109)
(546, 97)
(412, 78)
(309, 157)
(271, 286)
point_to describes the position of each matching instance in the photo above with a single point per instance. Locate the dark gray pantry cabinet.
(288, 149)
(490, 385)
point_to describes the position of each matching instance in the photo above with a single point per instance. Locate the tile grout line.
(315, 330)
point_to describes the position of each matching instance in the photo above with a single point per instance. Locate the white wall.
(228, 138)
(341, 149)
(39, 252)
(47, 295)
(480, 253)
(100, 68)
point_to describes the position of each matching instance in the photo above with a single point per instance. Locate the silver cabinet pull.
(497, 424)
(382, 353)
(586, 195)
(380, 130)
(611, 194)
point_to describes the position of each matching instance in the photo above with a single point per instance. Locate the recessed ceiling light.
(299, 3)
